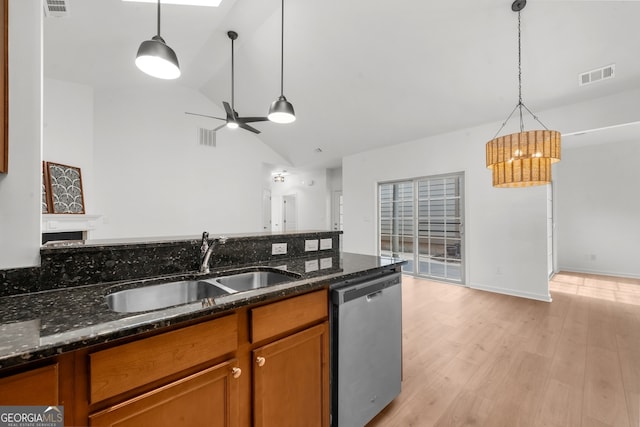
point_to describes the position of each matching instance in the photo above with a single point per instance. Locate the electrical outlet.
(278, 248)
(326, 244)
(310, 245)
(326, 263)
(311, 266)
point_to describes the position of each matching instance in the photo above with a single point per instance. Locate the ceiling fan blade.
(249, 128)
(230, 113)
(219, 127)
(205, 115)
(252, 119)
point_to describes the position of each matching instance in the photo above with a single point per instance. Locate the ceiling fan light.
(157, 59)
(232, 125)
(281, 111)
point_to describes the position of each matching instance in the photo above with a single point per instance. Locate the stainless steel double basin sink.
(155, 297)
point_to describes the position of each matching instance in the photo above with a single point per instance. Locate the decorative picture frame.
(46, 206)
(64, 189)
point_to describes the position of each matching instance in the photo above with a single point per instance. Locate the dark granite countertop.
(110, 244)
(42, 324)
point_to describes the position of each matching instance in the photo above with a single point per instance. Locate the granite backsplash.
(82, 263)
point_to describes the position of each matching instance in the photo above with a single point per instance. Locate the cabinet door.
(291, 380)
(34, 387)
(208, 398)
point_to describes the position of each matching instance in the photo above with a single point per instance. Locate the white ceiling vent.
(56, 8)
(597, 75)
(207, 137)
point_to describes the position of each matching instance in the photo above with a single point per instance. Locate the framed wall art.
(45, 195)
(64, 189)
(4, 86)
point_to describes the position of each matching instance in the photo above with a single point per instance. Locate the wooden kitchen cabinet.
(206, 399)
(127, 367)
(291, 380)
(204, 374)
(151, 381)
(37, 386)
(290, 362)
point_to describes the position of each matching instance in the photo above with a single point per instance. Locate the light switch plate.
(278, 248)
(311, 245)
(326, 244)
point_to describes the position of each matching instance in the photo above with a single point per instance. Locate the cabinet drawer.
(280, 317)
(206, 398)
(125, 367)
(35, 387)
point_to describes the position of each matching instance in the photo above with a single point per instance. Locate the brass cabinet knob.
(236, 372)
(260, 360)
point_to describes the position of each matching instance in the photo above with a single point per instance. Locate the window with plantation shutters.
(421, 221)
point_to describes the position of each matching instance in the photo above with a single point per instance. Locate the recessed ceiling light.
(210, 3)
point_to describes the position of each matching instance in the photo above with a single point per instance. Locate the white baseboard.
(600, 272)
(512, 292)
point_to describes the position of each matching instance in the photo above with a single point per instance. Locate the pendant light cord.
(159, 18)
(233, 108)
(520, 104)
(520, 75)
(282, 51)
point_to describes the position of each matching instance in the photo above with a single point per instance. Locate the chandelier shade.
(281, 110)
(523, 159)
(156, 58)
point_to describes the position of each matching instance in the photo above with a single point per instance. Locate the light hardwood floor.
(482, 359)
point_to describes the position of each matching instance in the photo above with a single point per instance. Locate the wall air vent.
(56, 8)
(597, 75)
(207, 137)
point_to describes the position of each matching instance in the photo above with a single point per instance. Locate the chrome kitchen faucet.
(206, 248)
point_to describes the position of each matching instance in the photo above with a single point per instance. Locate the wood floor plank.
(467, 409)
(561, 406)
(604, 398)
(629, 355)
(484, 359)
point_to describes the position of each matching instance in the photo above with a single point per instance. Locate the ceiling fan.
(232, 120)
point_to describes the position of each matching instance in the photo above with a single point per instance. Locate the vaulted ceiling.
(360, 73)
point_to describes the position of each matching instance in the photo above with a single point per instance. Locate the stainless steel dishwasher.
(366, 339)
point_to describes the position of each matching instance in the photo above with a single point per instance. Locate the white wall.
(20, 188)
(68, 131)
(598, 209)
(506, 246)
(310, 188)
(505, 228)
(154, 179)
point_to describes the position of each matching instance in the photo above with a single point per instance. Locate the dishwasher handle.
(373, 295)
(365, 289)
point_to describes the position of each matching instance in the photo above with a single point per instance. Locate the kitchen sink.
(251, 280)
(155, 297)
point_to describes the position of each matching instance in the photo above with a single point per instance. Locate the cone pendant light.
(281, 110)
(522, 159)
(156, 58)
